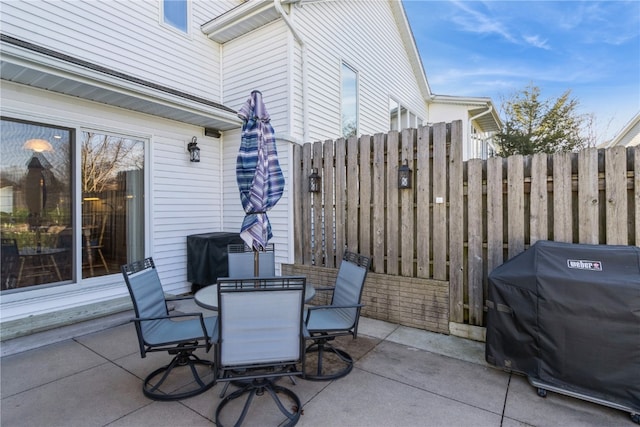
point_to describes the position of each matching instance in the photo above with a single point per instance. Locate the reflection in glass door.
(36, 213)
(112, 178)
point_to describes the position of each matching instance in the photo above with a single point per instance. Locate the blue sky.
(496, 48)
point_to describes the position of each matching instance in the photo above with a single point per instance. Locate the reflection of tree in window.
(349, 101)
(103, 156)
(112, 176)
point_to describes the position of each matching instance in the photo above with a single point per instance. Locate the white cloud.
(535, 41)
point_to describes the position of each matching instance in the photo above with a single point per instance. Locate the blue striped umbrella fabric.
(258, 172)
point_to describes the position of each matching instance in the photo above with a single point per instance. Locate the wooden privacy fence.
(458, 221)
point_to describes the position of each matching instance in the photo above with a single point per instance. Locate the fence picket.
(364, 239)
(474, 237)
(588, 196)
(393, 140)
(538, 200)
(495, 206)
(378, 224)
(440, 201)
(562, 198)
(423, 203)
(328, 189)
(341, 202)
(616, 196)
(515, 204)
(456, 265)
(407, 230)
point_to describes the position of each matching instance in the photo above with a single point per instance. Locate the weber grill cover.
(569, 315)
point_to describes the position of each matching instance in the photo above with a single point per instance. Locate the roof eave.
(31, 65)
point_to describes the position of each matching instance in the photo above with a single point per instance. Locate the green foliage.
(533, 125)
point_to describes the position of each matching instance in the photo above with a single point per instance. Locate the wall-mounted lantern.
(404, 175)
(314, 181)
(194, 150)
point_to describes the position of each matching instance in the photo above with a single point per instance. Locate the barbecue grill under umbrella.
(258, 172)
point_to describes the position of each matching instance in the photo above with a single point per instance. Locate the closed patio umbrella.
(258, 172)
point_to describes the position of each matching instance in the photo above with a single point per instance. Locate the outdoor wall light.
(194, 150)
(314, 181)
(404, 175)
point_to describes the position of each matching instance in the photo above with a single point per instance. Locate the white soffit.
(241, 20)
(31, 65)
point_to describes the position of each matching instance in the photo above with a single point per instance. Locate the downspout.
(303, 60)
(484, 113)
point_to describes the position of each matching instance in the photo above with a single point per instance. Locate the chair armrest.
(172, 316)
(327, 307)
(321, 307)
(179, 298)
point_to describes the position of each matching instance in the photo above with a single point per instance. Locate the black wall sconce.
(314, 181)
(194, 150)
(404, 175)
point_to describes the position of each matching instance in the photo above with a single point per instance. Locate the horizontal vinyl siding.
(374, 49)
(126, 36)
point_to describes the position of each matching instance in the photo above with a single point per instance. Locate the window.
(349, 101)
(401, 118)
(112, 184)
(175, 13)
(43, 240)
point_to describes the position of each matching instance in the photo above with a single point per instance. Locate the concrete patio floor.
(403, 377)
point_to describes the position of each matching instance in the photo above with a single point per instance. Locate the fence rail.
(460, 219)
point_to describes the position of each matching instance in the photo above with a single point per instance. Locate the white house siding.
(183, 197)
(365, 35)
(258, 61)
(126, 36)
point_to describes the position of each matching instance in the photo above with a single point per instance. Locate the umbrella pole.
(256, 267)
(256, 263)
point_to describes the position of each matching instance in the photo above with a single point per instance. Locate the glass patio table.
(207, 297)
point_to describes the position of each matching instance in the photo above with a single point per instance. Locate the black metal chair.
(325, 323)
(177, 334)
(261, 339)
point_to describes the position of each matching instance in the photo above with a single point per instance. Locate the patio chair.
(242, 261)
(178, 334)
(260, 340)
(10, 260)
(327, 322)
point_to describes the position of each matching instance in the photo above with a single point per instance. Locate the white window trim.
(352, 68)
(188, 33)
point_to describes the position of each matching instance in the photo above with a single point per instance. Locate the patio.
(403, 377)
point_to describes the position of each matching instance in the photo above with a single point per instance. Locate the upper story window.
(400, 117)
(176, 14)
(349, 101)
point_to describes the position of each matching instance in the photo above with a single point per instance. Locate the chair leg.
(322, 347)
(257, 387)
(151, 386)
(103, 260)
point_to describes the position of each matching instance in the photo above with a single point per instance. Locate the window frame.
(343, 65)
(167, 24)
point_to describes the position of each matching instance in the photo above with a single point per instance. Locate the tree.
(534, 125)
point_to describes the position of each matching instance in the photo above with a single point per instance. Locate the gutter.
(303, 60)
(471, 119)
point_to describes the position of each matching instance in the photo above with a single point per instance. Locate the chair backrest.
(9, 263)
(350, 282)
(146, 292)
(241, 261)
(260, 321)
